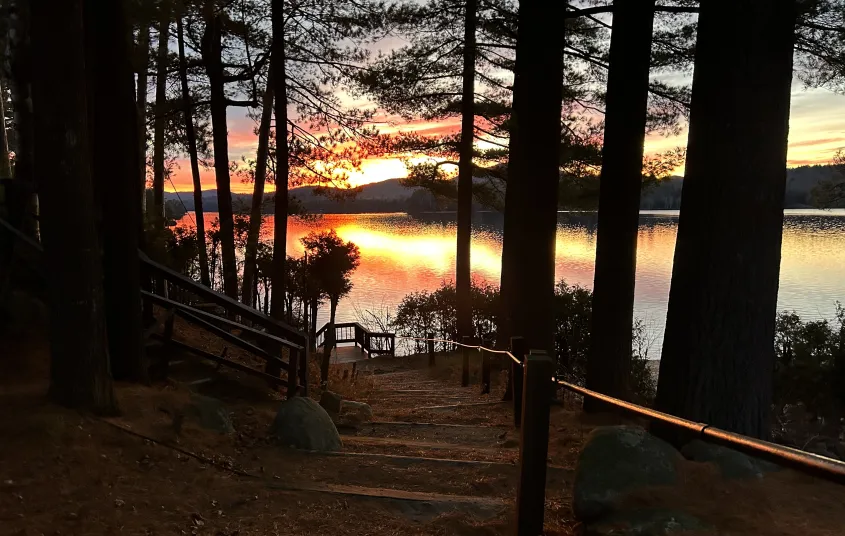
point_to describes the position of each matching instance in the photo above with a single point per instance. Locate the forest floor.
(437, 459)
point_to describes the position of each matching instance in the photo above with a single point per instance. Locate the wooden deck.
(348, 353)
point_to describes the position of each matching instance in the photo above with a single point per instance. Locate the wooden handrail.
(231, 305)
(211, 317)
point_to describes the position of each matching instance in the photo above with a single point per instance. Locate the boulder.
(731, 463)
(615, 461)
(356, 411)
(646, 522)
(331, 402)
(302, 423)
(209, 413)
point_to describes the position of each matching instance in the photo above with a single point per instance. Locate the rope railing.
(531, 376)
(461, 345)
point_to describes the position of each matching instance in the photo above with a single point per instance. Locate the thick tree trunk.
(329, 342)
(212, 55)
(161, 108)
(536, 120)
(608, 369)
(718, 355)
(80, 375)
(463, 270)
(191, 134)
(141, 101)
(113, 133)
(254, 231)
(280, 217)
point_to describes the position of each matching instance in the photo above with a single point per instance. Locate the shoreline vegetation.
(393, 195)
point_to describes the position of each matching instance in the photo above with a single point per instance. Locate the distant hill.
(392, 196)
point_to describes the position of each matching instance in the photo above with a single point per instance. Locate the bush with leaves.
(810, 365)
(424, 312)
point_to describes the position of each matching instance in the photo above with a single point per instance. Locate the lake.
(401, 253)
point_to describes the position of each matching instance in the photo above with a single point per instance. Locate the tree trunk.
(536, 120)
(191, 134)
(212, 55)
(312, 336)
(718, 355)
(254, 231)
(5, 162)
(329, 342)
(113, 134)
(280, 217)
(608, 369)
(141, 100)
(463, 270)
(511, 234)
(80, 375)
(161, 109)
(21, 65)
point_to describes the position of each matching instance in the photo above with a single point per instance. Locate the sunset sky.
(817, 130)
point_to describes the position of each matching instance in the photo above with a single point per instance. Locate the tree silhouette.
(112, 116)
(533, 171)
(718, 356)
(80, 375)
(331, 262)
(619, 197)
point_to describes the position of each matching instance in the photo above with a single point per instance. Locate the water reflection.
(402, 254)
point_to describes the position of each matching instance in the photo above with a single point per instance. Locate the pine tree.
(80, 375)
(534, 164)
(718, 356)
(113, 128)
(619, 197)
(193, 153)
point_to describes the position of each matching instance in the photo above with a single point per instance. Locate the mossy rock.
(617, 460)
(301, 423)
(209, 413)
(732, 464)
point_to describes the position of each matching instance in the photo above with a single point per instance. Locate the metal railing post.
(517, 374)
(429, 336)
(465, 365)
(534, 444)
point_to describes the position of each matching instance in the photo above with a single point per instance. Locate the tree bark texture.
(280, 218)
(254, 232)
(536, 150)
(463, 270)
(80, 374)
(191, 134)
(608, 369)
(113, 133)
(718, 355)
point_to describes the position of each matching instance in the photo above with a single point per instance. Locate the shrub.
(434, 312)
(810, 364)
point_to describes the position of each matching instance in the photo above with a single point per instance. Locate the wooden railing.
(281, 346)
(372, 343)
